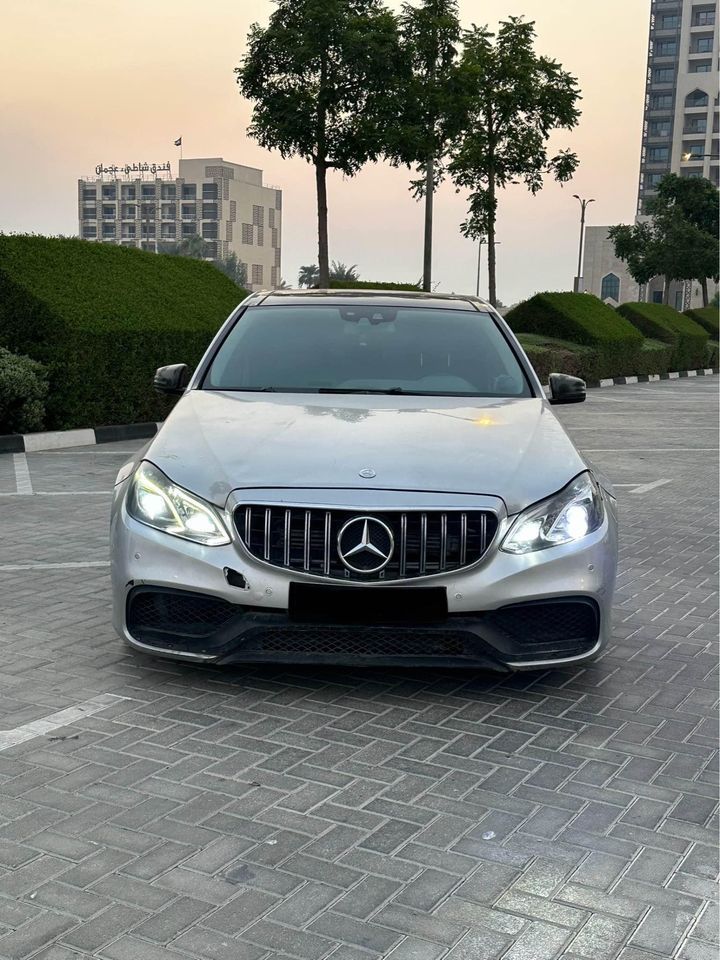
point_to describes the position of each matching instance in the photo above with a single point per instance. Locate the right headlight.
(569, 515)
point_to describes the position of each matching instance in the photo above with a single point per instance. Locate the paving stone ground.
(249, 814)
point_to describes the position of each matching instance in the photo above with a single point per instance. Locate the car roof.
(445, 301)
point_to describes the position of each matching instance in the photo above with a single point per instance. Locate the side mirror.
(566, 389)
(173, 379)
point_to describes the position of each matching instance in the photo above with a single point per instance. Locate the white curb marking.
(22, 474)
(63, 718)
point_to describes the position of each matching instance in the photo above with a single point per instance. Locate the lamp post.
(481, 241)
(583, 207)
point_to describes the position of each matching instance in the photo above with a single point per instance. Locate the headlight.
(155, 500)
(570, 515)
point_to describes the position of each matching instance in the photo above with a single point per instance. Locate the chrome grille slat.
(304, 539)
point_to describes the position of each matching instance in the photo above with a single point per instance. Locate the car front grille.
(416, 543)
(357, 642)
(545, 629)
(154, 611)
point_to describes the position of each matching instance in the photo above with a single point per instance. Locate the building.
(680, 135)
(142, 205)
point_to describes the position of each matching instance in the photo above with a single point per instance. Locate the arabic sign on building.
(129, 168)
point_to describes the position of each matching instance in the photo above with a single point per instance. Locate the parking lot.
(151, 810)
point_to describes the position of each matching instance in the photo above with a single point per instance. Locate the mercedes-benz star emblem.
(365, 544)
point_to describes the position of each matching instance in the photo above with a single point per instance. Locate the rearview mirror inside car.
(172, 379)
(566, 389)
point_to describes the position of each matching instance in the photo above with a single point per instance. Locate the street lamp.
(689, 155)
(583, 206)
(481, 241)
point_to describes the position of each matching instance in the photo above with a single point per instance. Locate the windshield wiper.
(389, 391)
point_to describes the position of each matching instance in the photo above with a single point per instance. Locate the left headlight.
(569, 515)
(156, 501)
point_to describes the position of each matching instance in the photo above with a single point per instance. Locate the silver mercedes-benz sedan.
(364, 477)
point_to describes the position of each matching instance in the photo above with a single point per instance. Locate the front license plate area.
(317, 603)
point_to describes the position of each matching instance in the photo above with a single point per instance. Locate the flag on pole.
(178, 142)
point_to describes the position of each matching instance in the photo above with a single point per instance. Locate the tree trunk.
(492, 289)
(427, 248)
(666, 290)
(703, 287)
(323, 256)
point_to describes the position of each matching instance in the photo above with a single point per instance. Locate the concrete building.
(680, 135)
(142, 205)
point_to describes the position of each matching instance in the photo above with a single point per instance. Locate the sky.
(83, 83)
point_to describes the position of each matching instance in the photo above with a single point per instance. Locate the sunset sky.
(83, 83)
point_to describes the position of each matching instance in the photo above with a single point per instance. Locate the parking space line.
(644, 487)
(23, 482)
(651, 449)
(60, 493)
(63, 718)
(10, 567)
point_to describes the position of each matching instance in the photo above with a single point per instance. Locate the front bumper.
(255, 626)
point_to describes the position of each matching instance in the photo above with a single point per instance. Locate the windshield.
(364, 348)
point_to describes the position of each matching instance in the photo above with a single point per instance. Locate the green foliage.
(320, 76)
(707, 317)
(711, 357)
(687, 338)
(23, 389)
(370, 285)
(102, 318)
(233, 268)
(552, 355)
(514, 100)
(585, 320)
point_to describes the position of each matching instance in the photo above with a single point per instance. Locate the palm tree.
(308, 276)
(339, 271)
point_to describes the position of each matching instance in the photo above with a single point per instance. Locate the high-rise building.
(680, 135)
(142, 205)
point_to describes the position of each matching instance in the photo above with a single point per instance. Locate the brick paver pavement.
(248, 814)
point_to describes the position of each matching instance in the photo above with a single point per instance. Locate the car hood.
(214, 442)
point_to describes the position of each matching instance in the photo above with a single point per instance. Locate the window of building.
(189, 191)
(210, 230)
(716, 129)
(661, 101)
(89, 193)
(150, 247)
(148, 229)
(257, 273)
(210, 191)
(108, 212)
(109, 192)
(691, 173)
(657, 296)
(659, 128)
(209, 211)
(89, 213)
(167, 231)
(169, 211)
(271, 216)
(652, 180)
(127, 191)
(258, 216)
(695, 124)
(128, 211)
(108, 231)
(211, 250)
(89, 231)
(261, 236)
(147, 211)
(663, 75)
(701, 45)
(247, 233)
(658, 154)
(698, 98)
(148, 190)
(679, 299)
(666, 48)
(703, 17)
(700, 66)
(187, 211)
(696, 151)
(274, 237)
(189, 229)
(715, 174)
(128, 231)
(669, 22)
(168, 191)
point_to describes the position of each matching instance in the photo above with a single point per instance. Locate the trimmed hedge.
(708, 318)
(713, 353)
(370, 285)
(662, 322)
(585, 320)
(23, 389)
(550, 355)
(102, 318)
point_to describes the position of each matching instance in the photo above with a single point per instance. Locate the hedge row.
(102, 318)
(23, 390)
(687, 339)
(370, 285)
(708, 318)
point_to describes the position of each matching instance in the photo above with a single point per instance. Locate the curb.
(57, 439)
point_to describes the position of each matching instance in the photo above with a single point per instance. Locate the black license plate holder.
(318, 603)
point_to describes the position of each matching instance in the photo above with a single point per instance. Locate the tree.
(514, 100)
(308, 276)
(320, 75)
(232, 267)
(678, 241)
(429, 113)
(194, 247)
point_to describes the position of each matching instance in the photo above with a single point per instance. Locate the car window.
(367, 348)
